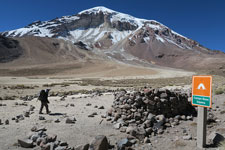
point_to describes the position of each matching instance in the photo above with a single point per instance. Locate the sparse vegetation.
(136, 82)
(193, 124)
(63, 84)
(179, 143)
(20, 86)
(222, 112)
(219, 91)
(7, 97)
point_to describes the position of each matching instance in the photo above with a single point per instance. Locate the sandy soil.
(85, 128)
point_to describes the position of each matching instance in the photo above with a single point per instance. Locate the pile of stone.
(39, 138)
(149, 112)
(26, 114)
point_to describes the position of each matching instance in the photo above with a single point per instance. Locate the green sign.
(201, 100)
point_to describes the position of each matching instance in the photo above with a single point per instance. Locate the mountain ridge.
(125, 39)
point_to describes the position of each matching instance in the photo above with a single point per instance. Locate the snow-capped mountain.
(118, 36)
(92, 25)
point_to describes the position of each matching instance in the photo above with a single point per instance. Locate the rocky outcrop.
(9, 49)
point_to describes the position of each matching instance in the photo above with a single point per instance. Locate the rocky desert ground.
(107, 113)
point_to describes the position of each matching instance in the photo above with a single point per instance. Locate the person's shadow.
(57, 114)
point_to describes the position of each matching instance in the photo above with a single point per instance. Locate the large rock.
(70, 120)
(100, 142)
(82, 147)
(26, 143)
(122, 144)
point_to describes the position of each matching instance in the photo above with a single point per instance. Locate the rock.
(63, 144)
(108, 119)
(82, 147)
(117, 125)
(57, 121)
(99, 143)
(178, 117)
(31, 108)
(189, 118)
(94, 113)
(188, 137)
(7, 122)
(34, 128)
(34, 137)
(103, 116)
(41, 118)
(88, 104)
(39, 140)
(151, 117)
(70, 121)
(61, 148)
(148, 131)
(72, 105)
(91, 116)
(163, 95)
(20, 117)
(140, 133)
(147, 140)
(27, 114)
(26, 143)
(160, 131)
(122, 144)
(123, 129)
(51, 138)
(130, 129)
(215, 138)
(48, 146)
(101, 107)
(183, 117)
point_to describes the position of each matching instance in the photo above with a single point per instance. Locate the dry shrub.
(179, 143)
(193, 124)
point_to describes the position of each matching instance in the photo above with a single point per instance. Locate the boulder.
(70, 120)
(82, 147)
(117, 125)
(99, 143)
(187, 137)
(51, 138)
(41, 118)
(26, 143)
(101, 107)
(122, 144)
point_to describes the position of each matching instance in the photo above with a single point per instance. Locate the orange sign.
(201, 91)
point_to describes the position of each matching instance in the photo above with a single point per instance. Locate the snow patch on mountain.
(160, 38)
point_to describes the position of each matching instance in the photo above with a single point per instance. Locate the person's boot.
(40, 113)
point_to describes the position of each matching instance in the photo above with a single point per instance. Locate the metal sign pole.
(201, 127)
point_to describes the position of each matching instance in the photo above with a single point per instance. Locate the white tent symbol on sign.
(201, 86)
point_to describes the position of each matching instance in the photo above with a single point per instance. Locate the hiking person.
(43, 97)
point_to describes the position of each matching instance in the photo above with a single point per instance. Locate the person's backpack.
(41, 95)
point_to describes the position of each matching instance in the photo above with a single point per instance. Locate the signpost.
(202, 97)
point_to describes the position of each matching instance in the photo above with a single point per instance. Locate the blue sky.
(200, 20)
